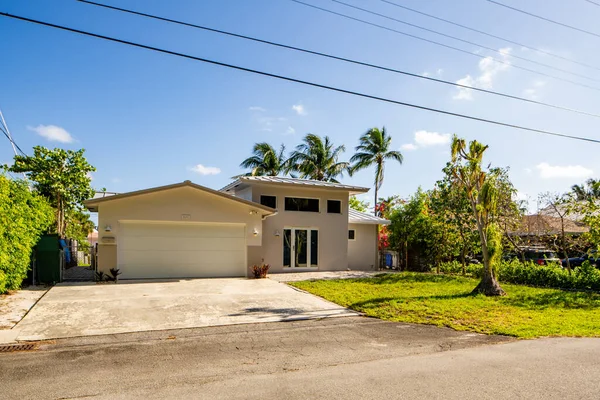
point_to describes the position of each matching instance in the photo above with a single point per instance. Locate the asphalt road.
(350, 358)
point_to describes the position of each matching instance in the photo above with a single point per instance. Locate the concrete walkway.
(317, 275)
(81, 309)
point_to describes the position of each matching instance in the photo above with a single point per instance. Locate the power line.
(444, 45)
(593, 2)
(493, 36)
(337, 58)
(465, 41)
(6, 132)
(289, 79)
(544, 18)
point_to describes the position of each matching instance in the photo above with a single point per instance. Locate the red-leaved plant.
(260, 271)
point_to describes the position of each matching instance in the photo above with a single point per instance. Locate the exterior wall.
(333, 228)
(362, 252)
(245, 193)
(255, 257)
(180, 204)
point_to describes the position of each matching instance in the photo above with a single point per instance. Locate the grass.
(443, 300)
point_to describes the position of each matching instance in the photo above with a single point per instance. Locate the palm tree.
(317, 158)
(374, 149)
(265, 161)
(588, 191)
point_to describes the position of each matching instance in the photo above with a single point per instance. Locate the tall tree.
(374, 149)
(588, 191)
(265, 161)
(358, 205)
(482, 194)
(317, 158)
(62, 176)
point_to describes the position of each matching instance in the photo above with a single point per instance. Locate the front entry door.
(300, 248)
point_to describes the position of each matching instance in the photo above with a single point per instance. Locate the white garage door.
(181, 250)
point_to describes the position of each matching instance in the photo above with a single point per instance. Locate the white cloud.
(299, 108)
(439, 71)
(267, 124)
(115, 180)
(202, 170)
(548, 171)
(488, 69)
(534, 91)
(53, 133)
(408, 147)
(426, 139)
(426, 74)
(290, 131)
(256, 108)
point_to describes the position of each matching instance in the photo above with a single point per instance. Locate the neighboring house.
(541, 225)
(188, 231)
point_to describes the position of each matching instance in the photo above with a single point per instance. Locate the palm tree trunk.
(489, 285)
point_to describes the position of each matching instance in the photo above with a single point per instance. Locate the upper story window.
(269, 201)
(301, 204)
(334, 206)
(351, 234)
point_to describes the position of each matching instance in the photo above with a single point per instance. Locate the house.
(543, 224)
(187, 230)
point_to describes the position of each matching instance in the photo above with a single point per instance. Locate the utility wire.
(379, 67)
(593, 2)
(289, 79)
(465, 41)
(4, 130)
(545, 19)
(493, 36)
(444, 45)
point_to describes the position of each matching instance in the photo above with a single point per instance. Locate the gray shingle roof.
(357, 217)
(280, 180)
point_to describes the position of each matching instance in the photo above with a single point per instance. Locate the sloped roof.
(286, 181)
(92, 204)
(538, 224)
(357, 217)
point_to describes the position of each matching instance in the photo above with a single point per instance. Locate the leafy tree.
(62, 176)
(587, 191)
(24, 216)
(556, 205)
(78, 226)
(374, 149)
(358, 205)
(317, 158)
(265, 161)
(453, 208)
(407, 224)
(482, 194)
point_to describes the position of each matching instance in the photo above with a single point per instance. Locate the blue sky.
(148, 119)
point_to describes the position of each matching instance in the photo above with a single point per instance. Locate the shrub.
(586, 277)
(24, 217)
(260, 271)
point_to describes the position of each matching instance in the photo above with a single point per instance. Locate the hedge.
(24, 216)
(586, 277)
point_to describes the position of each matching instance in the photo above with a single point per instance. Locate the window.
(334, 206)
(351, 234)
(300, 204)
(269, 201)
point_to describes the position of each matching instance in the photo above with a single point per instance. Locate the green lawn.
(441, 300)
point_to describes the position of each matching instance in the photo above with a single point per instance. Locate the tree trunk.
(489, 285)
(564, 245)
(375, 208)
(463, 261)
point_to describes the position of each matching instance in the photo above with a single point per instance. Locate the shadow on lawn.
(554, 299)
(374, 303)
(407, 277)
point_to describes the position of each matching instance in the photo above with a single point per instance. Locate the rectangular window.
(269, 201)
(334, 206)
(300, 204)
(351, 234)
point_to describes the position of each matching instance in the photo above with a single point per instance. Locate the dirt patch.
(15, 305)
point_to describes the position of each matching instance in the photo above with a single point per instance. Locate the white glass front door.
(300, 248)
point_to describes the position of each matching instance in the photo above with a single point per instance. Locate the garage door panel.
(179, 250)
(181, 230)
(181, 244)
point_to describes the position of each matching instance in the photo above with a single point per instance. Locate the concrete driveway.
(81, 309)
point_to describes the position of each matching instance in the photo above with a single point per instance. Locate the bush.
(260, 271)
(586, 277)
(24, 217)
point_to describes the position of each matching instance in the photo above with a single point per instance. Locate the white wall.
(362, 252)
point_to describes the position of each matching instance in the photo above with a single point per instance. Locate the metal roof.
(357, 217)
(280, 180)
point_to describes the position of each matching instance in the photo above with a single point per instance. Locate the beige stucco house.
(190, 231)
